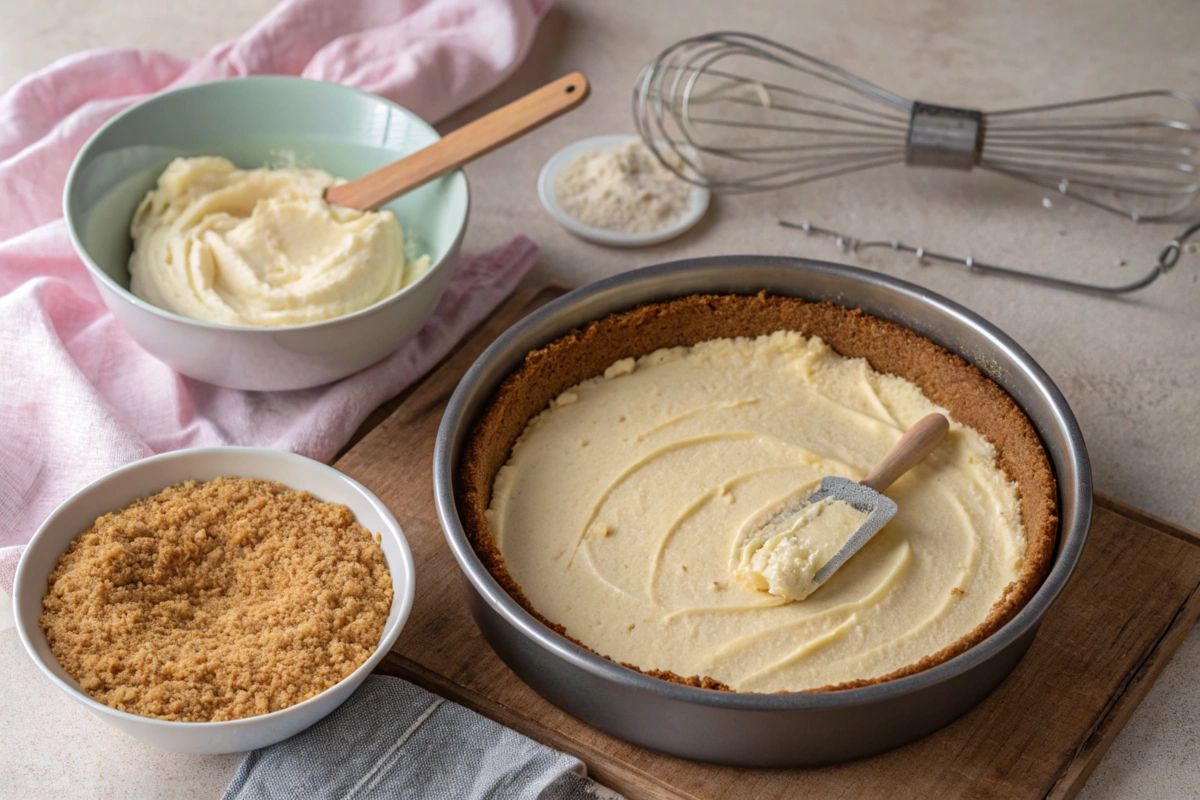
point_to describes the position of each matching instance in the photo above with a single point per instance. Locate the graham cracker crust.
(946, 379)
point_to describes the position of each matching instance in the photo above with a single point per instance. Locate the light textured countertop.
(1130, 369)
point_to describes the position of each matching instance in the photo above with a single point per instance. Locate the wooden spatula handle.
(462, 145)
(916, 443)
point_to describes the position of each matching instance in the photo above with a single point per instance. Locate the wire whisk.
(746, 114)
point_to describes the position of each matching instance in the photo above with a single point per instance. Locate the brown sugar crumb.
(217, 601)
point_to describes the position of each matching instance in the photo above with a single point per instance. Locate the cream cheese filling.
(624, 508)
(261, 247)
(781, 554)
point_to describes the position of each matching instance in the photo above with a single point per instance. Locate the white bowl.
(149, 476)
(255, 122)
(697, 203)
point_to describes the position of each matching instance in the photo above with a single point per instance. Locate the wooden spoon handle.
(916, 443)
(462, 145)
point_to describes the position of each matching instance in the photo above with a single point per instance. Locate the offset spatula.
(916, 443)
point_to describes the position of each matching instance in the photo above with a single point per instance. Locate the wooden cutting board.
(1133, 599)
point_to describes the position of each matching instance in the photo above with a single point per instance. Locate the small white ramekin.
(697, 203)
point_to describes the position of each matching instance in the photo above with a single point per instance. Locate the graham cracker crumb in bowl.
(217, 601)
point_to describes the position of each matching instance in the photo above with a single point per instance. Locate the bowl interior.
(254, 122)
(120, 488)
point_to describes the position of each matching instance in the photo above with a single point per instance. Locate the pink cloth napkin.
(77, 397)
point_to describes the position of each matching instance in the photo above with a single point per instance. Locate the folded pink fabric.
(77, 397)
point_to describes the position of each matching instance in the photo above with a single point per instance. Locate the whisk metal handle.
(943, 136)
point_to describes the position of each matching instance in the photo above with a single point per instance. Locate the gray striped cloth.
(392, 739)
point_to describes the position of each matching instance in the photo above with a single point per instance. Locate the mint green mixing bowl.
(255, 122)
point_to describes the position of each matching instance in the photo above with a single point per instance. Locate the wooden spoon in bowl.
(462, 145)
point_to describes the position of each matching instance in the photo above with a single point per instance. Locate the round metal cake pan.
(745, 729)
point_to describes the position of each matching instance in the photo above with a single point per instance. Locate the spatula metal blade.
(879, 509)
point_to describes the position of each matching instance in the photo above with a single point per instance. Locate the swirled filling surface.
(623, 507)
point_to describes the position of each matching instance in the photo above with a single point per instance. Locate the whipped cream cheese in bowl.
(242, 275)
(261, 247)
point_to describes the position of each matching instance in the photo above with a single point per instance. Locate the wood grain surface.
(1133, 598)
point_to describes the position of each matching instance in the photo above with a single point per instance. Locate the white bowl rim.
(133, 299)
(388, 638)
(697, 202)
